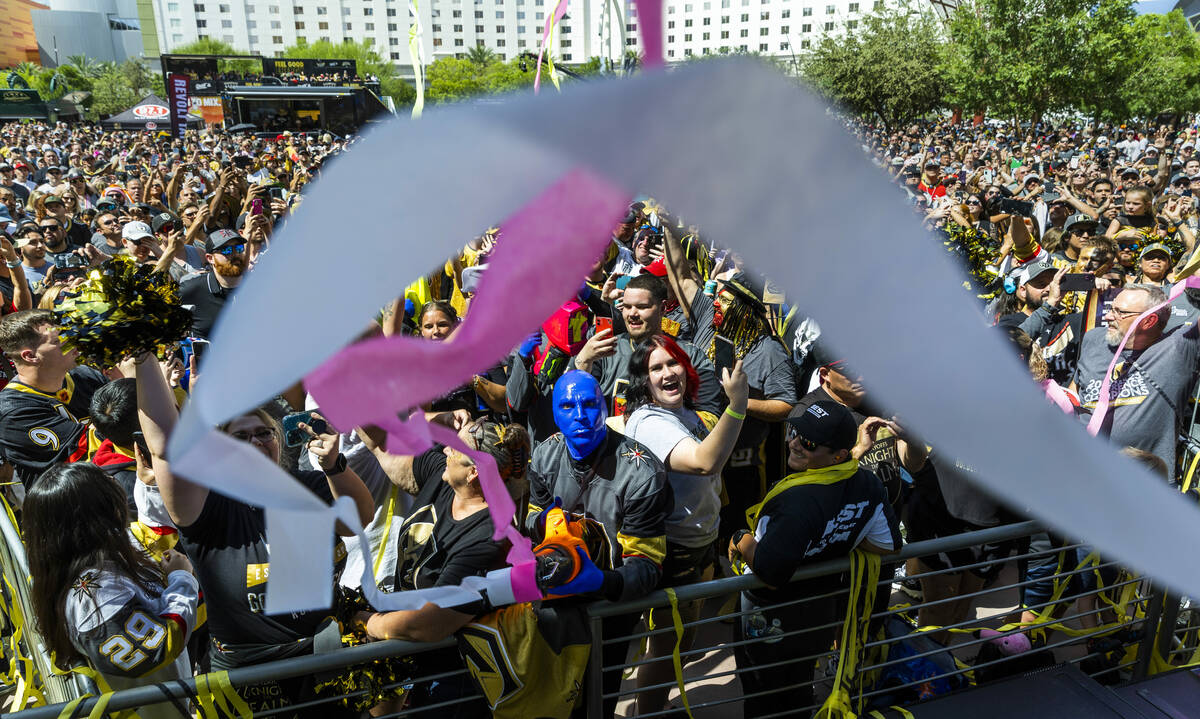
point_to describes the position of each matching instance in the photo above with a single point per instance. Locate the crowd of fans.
(675, 397)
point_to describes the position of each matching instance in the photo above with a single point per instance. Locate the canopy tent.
(151, 113)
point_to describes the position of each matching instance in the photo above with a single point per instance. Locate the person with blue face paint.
(592, 470)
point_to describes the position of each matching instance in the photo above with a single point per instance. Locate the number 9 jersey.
(132, 636)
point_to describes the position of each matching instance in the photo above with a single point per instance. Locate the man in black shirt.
(827, 508)
(43, 412)
(205, 294)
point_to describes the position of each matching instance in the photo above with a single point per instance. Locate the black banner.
(177, 99)
(280, 66)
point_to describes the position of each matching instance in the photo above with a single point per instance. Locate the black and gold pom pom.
(123, 309)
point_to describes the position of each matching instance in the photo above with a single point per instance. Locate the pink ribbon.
(1103, 402)
(650, 25)
(559, 10)
(1058, 396)
(548, 246)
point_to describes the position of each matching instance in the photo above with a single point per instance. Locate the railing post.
(1149, 633)
(1166, 624)
(595, 671)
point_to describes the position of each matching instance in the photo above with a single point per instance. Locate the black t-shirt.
(435, 549)
(78, 234)
(228, 547)
(38, 430)
(812, 522)
(206, 298)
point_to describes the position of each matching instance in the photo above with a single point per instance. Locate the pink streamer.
(559, 10)
(650, 25)
(1102, 404)
(548, 247)
(1058, 396)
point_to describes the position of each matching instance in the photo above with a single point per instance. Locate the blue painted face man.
(579, 412)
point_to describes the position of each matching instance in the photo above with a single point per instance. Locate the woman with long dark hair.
(660, 414)
(95, 595)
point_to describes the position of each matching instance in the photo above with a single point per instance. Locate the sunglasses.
(228, 250)
(794, 436)
(1131, 248)
(262, 435)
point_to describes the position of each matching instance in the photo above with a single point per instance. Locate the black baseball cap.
(164, 218)
(220, 238)
(826, 423)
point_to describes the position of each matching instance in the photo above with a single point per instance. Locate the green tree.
(368, 61)
(112, 94)
(1164, 73)
(209, 46)
(891, 67)
(451, 79)
(508, 76)
(482, 56)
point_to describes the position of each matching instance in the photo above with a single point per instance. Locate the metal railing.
(1139, 632)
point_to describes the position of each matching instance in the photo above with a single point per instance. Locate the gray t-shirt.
(1149, 393)
(694, 518)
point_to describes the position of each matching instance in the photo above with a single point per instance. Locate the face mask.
(579, 412)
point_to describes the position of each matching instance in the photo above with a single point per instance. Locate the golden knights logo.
(483, 649)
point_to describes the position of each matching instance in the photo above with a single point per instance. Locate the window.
(670, 38)
(765, 15)
(807, 12)
(566, 57)
(631, 41)
(322, 11)
(763, 30)
(784, 29)
(222, 8)
(370, 26)
(687, 23)
(830, 9)
(743, 48)
(687, 8)
(458, 42)
(724, 34)
(724, 3)
(500, 42)
(347, 26)
(743, 33)
(670, 24)
(630, 27)
(478, 14)
(687, 52)
(478, 28)
(806, 27)
(253, 39)
(520, 43)
(851, 24)
(202, 36)
(457, 13)
(368, 41)
(275, 24)
(277, 39)
(172, 7)
(500, 29)
(705, 36)
(479, 43)
(176, 22)
(345, 12)
(671, 10)
(708, 21)
(724, 19)
(878, 5)
(745, 17)
(322, 25)
(300, 25)
(805, 44)
(198, 7)
(828, 27)
(273, 10)
(391, 12)
(539, 16)
(499, 14)
(437, 28)
(396, 55)
(391, 27)
(301, 41)
(520, 14)
(437, 41)
(762, 47)
(853, 7)
(227, 24)
(201, 23)
(670, 53)
(458, 28)
(368, 11)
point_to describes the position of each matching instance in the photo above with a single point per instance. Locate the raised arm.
(709, 456)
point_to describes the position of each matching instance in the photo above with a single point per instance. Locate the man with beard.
(733, 326)
(1150, 379)
(606, 357)
(205, 294)
(31, 245)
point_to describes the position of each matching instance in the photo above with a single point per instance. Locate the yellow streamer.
(678, 622)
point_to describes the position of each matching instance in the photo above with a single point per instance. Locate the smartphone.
(1015, 207)
(723, 355)
(256, 206)
(154, 160)
(276, 193)
(241, 161)
(140, 440)
(65, 274)
(1078, 282)
(1048, 186)
(603, 323)
(293, 436)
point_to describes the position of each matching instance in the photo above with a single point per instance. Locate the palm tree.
(482, 56)
(86, 66)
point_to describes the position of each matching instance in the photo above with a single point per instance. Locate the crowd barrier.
(1147, 633)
